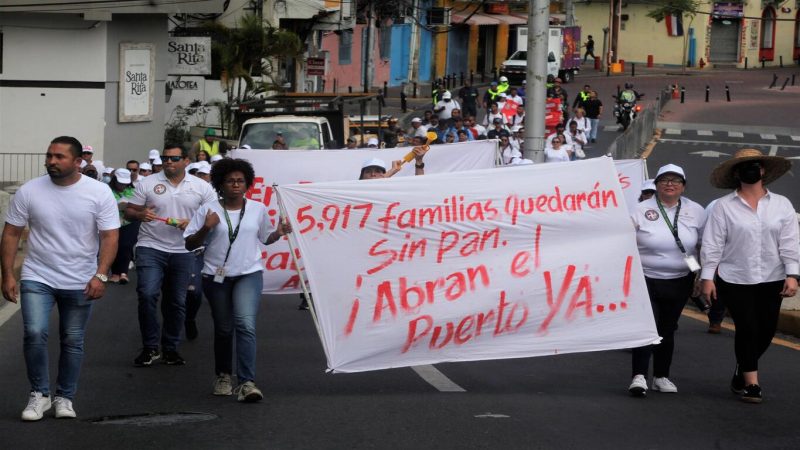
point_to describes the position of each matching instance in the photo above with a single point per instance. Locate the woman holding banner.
(752, 245)
(668, 233)
(232, 271)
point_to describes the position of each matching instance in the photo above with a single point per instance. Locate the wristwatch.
(420, 165)
(101, 277)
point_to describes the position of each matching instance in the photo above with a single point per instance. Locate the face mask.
(106, 179)
(749, 173)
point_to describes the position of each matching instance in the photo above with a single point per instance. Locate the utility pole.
(370, 45)
(536, 92)
(413, 64)
(570, 10)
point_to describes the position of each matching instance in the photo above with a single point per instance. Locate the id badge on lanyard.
(219, 275)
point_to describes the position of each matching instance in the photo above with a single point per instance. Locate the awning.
(510, 19)
(475, 19)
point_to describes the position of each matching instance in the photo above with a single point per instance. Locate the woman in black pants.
(752, 242)
(668, 230)
(122, 187)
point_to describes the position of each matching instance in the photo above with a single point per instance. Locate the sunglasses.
(171, 158)
(88, 153)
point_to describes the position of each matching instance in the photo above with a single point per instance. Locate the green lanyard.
(673, 229)
(232, 233)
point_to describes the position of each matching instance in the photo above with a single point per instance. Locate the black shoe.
(752, 394)
(172, 358)
(594, 140)
(147, 357)
(737, 382)
(303, 306)
(191, 329)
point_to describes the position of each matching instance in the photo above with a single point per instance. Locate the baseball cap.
(108, 171)
(88, 148)
(216, 158)
(153, 154)
(244, 147)
(145, 166)
(416, 120)
(497, 120)
(204, 169)
(123, 176)
(503, 79)
(649, 185)
(372, 141)
(447, 95)
(157, 161)
(374, 162)
(210, 132)
(503, 95)
(671, 168)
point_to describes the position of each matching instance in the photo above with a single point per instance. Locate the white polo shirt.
(167, 200)
(661, 257)
(64, 223)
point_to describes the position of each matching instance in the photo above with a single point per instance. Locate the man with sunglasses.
(133, 167)
(163, 265)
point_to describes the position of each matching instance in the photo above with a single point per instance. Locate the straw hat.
(774, 167)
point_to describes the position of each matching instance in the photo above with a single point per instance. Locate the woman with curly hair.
(232, 271)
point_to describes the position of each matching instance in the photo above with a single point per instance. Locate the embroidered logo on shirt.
(160, 189)
(651, 215)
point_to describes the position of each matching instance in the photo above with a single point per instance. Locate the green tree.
(683, 8)
(244, 59)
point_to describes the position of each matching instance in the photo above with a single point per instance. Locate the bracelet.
(420, 166)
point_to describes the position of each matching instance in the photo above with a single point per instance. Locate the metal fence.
(17, 168)
(629, 144)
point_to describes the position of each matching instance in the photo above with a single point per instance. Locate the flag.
(674, 24)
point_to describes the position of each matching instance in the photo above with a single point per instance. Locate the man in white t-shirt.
(165, 202)
(71, 218)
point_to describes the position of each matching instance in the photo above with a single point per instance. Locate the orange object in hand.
(410, 155)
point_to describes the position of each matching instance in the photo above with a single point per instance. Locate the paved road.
(568, 401)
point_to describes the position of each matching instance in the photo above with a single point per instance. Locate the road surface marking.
(705, 133)
(437, 379)
(610, 128)
(773, 150)
(735, 134)
(795, 138)
(770, 137)
(492, 416)
(754, 144)
(672, 131)
(703, 318)
(710, 154)
(7, 311)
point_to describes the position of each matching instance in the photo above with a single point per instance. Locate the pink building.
(345, 60)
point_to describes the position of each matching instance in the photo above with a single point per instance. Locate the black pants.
(755, 309)
(128, 235)
(667, 298)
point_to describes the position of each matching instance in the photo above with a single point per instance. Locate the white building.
(60, 72)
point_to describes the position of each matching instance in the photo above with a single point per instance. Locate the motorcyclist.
(628, 94)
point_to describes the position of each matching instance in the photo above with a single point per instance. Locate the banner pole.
(303, 284)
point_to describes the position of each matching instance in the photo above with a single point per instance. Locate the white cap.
(671, 168)
(145, 166)
(503, 95)
(503, 79)
(376, 162)
(372, 141)
(245, 146)
(524, 81)
(101, 168)
(157, 161)
(192, 166)
(201, 164)
(516, 128)
(416, 120)
(649, 185)
(216, 158)
(153, 154)
(88, 148)
(447, 94)
(123, 176)
(204, 169)
(108, 170)
(421, 133)
(83, 163)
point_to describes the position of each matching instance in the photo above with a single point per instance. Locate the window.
(345, 46)
(386, 42)
(768, 28)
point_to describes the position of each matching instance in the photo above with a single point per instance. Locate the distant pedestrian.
(669, 228)
(470, 97)
(233, 272)
(558, 150)
(163, 265)
(122, 187)
(751, 256)
(594, 109)
(589, 45)
(72, 219)
(444, 107)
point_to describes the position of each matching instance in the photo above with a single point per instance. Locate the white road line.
(705, 133)
(770, 137)
(795, 138)
(672, 131)
(735, 134)
(610, 128)
(754, 144)
(437, 379)
(7, 311)
(773, 150)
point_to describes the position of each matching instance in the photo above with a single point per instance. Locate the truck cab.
(299, 132)
(563, 54)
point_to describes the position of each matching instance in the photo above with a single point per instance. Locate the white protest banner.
(487, 264)
(631, 177)
(312, 166)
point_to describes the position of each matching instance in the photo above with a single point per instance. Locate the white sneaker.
(64, 408)
(638, 387)
(248, 392)
(664, 385)
(222, 385)
(37, 405)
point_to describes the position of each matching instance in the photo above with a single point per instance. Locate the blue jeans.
(234, 307)
(595, 125)
(168, 274)
(74, 310)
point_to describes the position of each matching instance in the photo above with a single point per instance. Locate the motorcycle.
(626, 111)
